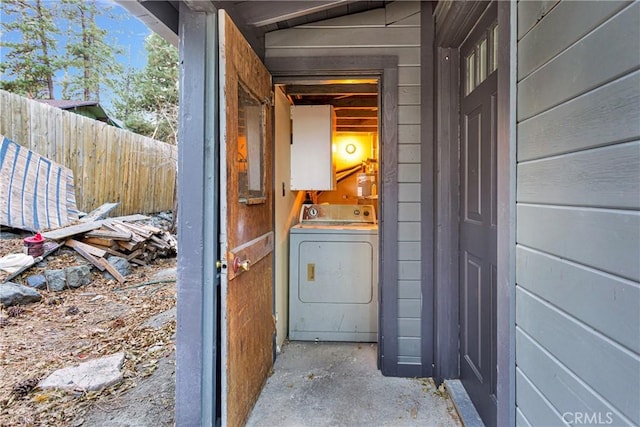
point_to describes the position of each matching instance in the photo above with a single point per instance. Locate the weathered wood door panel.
(478, 216)
(246, 225)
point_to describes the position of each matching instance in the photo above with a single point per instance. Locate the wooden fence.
(109, 164)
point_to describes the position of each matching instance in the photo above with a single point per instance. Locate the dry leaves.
(72, 326)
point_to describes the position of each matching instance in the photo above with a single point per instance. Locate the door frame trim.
(506, 193)
(386, 68)
(197, 383)
(455, 19)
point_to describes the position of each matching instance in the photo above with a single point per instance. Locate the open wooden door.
(246, 200)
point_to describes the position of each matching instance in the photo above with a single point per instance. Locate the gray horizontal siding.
(521, 421)
(568, 392)
(409, 289)
(602, 177)
(578, 212)
(602, 364)
(409, 251)
(343, 37)
(576, 20)
(605, 239)
(539, 411)
(608, 52)
(409, 172)
(393, 30)
(530, 12)
(578, 289)
(409, 211)
(409, 134)
(407, 56)
(604, 116)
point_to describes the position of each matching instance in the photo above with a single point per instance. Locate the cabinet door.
(312, 165)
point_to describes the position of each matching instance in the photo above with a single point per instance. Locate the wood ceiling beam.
(352, 113)
(354, 102)
(333, 89)
(356, 129)
(357, 122)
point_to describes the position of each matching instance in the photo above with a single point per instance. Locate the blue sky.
(125, 31)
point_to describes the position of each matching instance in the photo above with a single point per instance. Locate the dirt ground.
(68, 327)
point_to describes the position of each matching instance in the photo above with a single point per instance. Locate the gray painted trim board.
(447, 200)
(506, 195)
(427, 179)
(464, 407)
(197, 233)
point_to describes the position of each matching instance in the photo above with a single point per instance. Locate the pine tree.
(32, 61)
(148, 99)
(88, 51)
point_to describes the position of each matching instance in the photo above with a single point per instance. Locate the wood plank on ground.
(118, 254)
(107, 243)
(109, 234)
(86, 255)
(111, 269)
(129, 218)
(86, 247)
(99, 213)
(62, 233)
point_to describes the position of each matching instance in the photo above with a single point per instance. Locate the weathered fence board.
(109, 164)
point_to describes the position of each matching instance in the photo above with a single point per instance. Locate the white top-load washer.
(333, 274)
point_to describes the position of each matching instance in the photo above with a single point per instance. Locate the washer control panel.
(365, 214)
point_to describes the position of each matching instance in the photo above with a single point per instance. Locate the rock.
(78, 276)
(5, 235)
(37, 281)
(72, 311)
(94, 374)
(160, 319)
(56, 279)
(121, 264)
(166, 274)
(15, 294)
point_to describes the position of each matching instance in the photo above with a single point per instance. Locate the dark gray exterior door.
(478, 221)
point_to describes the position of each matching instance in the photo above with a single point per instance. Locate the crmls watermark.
(588, 418)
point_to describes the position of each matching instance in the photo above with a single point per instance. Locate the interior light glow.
(350, 148)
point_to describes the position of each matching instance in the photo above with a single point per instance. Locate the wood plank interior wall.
(393, 30)
(578, 222)
(109, 164)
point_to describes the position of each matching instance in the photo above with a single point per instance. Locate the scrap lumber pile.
(126, 237)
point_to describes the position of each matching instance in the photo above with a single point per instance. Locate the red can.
(34, 245)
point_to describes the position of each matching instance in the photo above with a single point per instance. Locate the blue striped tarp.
(35, 193)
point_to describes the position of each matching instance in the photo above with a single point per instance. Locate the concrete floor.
(338, 384)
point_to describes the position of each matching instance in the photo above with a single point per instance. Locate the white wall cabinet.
(312, 164)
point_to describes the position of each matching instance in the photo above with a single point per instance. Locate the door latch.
(239, 264)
